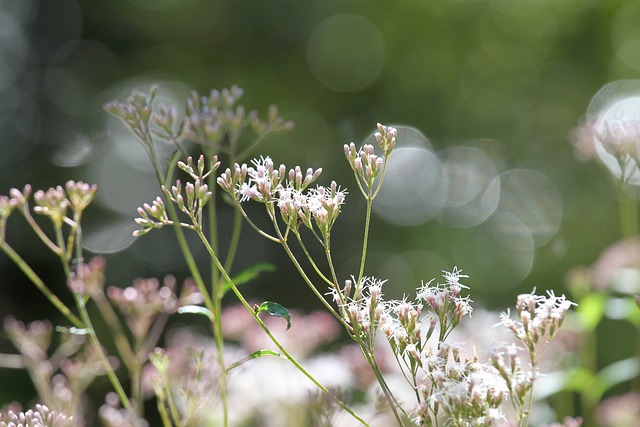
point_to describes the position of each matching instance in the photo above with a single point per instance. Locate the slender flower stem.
(628, 212)
(53, 299)
(95, 342)
(244, 302)
(312, 261)
(365, 241)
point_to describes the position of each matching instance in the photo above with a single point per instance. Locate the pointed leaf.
(274, 309)
(251, 356)
(248, 274)
(196, 309)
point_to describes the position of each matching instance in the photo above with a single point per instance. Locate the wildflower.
(386, 138)
(39, 416)
(445, 300)
(80, 194)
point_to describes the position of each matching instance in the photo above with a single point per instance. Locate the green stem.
(365, 242)
(244, 302)
(95, 342)
(235, 240)
(53, 299)
(628, 212)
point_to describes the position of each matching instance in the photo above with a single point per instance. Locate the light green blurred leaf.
(248, 274)
(252, 356)
(591, 310)
(196, 309)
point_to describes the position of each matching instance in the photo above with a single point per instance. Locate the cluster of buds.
(39, 416)
(146, 298)
(8, 204)
(32, 339)
(386, 138)
(135, 112)
(445, 301)
(216, 119)
(212, 119)
(164, 118)
(88, 278)
(403, 330)
(539, 316)
(467, 391)
(197, 194)
(620, 137)
(265, 183)
(519, 381)
(320, 205)
(365, 164)
(364, 311)
(257, 182)
(152, 216)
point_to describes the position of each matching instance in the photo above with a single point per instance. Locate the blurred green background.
(485, 93)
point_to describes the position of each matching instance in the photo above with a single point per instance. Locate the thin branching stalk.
(33, 277)
(244, 302)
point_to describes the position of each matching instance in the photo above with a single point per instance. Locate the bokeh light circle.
(110, 236)
(345, 53)
(413, 191)
(472, 190)
(616, 106)
(533, 205)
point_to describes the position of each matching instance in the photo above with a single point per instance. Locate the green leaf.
(248, 274)
(616, 373)
(591, 310)
(251, 356)
(196, 309)
(274, 309)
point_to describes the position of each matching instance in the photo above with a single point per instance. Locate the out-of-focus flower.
(620, 411)
(39, 416)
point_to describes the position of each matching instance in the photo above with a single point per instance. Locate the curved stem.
(53, 299)
(244, 302)
(365, 241)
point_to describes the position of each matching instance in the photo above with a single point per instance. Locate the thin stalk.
(393, 403)
(628, 213)
(235, 240)
(95, 342)
(312, 262)
(39, 232)
(53, 299)
(365, 241)
(244, 302)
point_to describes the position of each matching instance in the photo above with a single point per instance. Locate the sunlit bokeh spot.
(75, 151)
(121, 188)
(407, 137)
(492, 266)
(345, 52)
(110, 236)
(472, 190)
(533, 206)
(160, 251)
(406, 270)
(413, 191)
(617, 107)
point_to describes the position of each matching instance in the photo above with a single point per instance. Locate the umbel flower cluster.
(445, 388)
